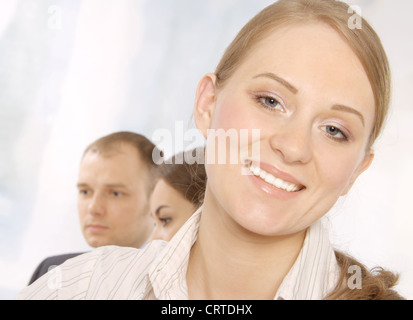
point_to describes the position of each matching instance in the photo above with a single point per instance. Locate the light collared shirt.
(159, 270)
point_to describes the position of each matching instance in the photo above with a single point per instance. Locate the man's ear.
(364, 165)
(205, 102)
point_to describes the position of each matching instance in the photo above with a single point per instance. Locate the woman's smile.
(273, 181)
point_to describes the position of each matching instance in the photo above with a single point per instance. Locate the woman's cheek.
(231, 114)
(338, 173)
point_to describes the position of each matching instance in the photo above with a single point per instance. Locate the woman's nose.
(292, 141)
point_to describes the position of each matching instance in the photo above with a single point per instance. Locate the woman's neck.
(229, 262)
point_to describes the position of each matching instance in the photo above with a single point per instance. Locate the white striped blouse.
(159, 271)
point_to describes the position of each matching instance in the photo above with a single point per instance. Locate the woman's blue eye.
(270, 102)
(333, 130)
(335, 133)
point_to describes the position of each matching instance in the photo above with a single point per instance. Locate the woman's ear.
(205, 102)
(364, 165)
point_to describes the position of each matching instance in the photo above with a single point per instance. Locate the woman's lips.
(272, 180)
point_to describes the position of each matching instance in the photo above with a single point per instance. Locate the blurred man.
(116, 177)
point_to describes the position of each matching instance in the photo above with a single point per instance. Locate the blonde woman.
(318, 91)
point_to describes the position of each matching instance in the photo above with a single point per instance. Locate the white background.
(74, 70)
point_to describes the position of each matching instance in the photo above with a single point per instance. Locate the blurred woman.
(177, 195)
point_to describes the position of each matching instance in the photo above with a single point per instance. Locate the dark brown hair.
(188, 179)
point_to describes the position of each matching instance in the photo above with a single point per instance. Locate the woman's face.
(169, 209)
(307, 92)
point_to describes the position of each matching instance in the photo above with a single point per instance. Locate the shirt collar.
(313, 275)
(168, 273)
(315, 271)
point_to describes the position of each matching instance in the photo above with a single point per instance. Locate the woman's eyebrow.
(273, 76)
(159, 209)
(340, 107)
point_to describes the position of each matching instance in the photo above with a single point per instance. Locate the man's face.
(113, 198)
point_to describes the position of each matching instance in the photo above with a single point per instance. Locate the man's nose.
(97, 205)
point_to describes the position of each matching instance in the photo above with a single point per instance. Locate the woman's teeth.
(270, 179)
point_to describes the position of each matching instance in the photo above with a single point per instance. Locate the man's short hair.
(111, 143)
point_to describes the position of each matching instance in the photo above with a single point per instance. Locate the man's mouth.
(96, 228)
(271, 179)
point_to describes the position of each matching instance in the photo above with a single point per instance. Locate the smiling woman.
(318, 91)
(317, 127)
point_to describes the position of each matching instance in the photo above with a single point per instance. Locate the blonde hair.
(364, 42)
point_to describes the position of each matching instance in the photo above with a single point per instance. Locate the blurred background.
(72, 71)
